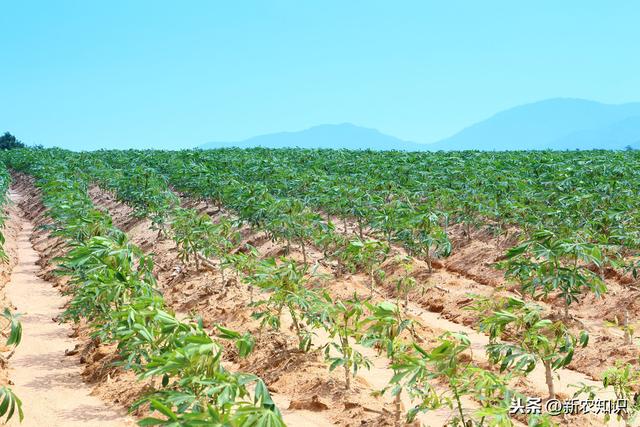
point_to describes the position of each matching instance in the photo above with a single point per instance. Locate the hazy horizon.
(427, 143)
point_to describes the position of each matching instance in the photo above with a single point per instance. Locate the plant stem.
(455, 393)
(346, 353)
(627, 331)
(371, 281)
(398, 408)
(549, 379)
(296, 325)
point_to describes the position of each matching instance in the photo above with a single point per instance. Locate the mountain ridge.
(338, 136)
(556, 123)
(548, 124)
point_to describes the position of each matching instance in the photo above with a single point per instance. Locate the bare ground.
(49, 383)
(303, 388)
(445, 294)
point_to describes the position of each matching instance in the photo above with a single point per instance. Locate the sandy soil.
(110, 383)
(48, 382)
(9, 231)
(471, 269)
(302, 386)
(192, 291)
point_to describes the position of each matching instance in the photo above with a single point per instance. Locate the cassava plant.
(368, 255)
(285, 281)
(546, 263)
(192, 233)
(223, 238)
(405, 282)
(520, 337)
(247, 265)
(417, 370)
(422, 233)
(344, 321)
(9, 404)
(12, 331)
(624, 379)
(385, 327)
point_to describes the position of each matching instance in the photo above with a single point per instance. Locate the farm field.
(329, 287)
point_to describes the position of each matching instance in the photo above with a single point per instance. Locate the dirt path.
(48, 382)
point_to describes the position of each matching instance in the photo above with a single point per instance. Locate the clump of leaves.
(286, 283)
(344, 320)
(9, 402)
(405, 282)
(417, 369)
(546, 263)
(14, 334)
(519, 338)
(366, 254)
(624, 379)
(385, 327)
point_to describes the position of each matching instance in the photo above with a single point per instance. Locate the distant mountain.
(345, 135)
(560, 124)
(614, 136)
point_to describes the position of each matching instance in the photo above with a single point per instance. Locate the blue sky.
(169, 74)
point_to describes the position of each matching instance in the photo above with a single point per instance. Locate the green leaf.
(163, 409)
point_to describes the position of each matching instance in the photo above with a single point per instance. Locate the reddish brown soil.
(442, 291)
(112, 384)
(471, 269)
(10, 232)
(302, 385)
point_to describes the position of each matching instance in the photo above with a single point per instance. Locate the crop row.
(284, 287)
(545, 261)
(113, 287)
(586, 196)
(11, 326)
